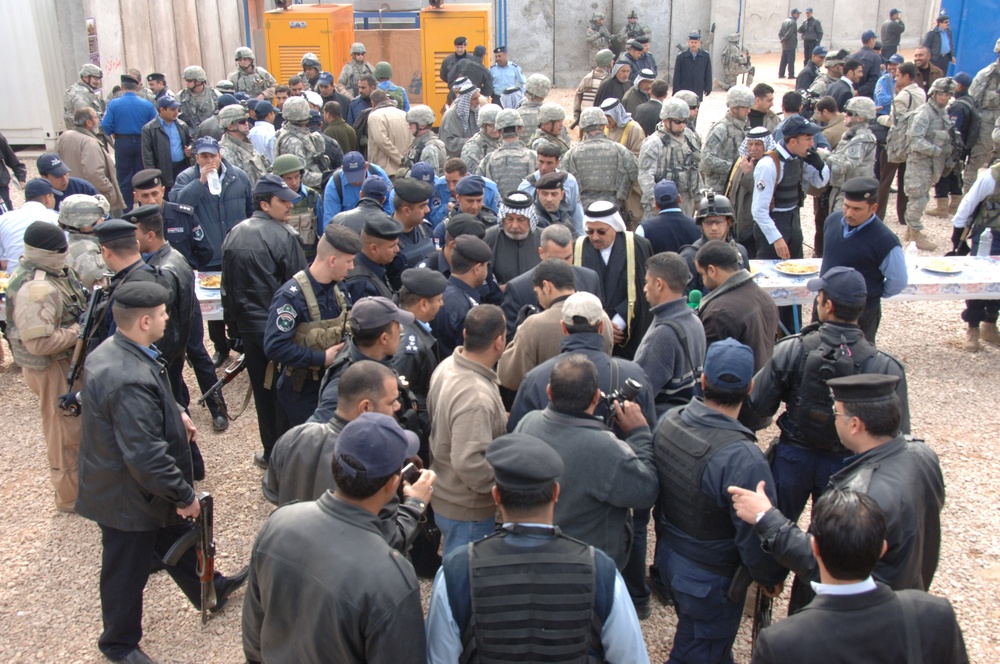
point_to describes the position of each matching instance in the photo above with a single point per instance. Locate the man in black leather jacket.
(258, 256)
(135, 469)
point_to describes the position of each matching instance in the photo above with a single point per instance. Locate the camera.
(626, 392)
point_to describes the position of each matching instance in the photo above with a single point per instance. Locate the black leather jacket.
(258, 256)
(135, 461)
(175, 274)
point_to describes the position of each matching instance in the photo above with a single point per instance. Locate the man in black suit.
(556, 242)
(648, 112)
(854, 618)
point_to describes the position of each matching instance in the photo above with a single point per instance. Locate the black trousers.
(790, 227)
(787, 59)
(981, 311)
(889, 172)
(821, 210)
(125, 560)
(948, 185)
(809, 45)
(201, 361)
(128, 162)
(298, 406)
(270, 415)
(889, 51)
(217, 333)
(5, 197)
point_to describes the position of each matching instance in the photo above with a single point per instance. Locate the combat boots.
(956, 199)
(924, 243)
(971, 342)
(940, 208)
(989, 333)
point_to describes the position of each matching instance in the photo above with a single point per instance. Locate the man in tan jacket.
(466, 414)
(86, 155)
(389, 135)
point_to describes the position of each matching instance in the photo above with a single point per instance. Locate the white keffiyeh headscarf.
(617, 112)
(757, 134)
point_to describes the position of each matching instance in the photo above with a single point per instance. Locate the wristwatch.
(760, 515)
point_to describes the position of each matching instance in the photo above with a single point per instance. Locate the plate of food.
(941, 266)
(4, 280)
(797, 268)
(210, 281)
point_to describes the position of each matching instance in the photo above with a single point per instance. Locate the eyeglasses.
(673, 121)
(720, 221)
(839, 414)
(599, 231)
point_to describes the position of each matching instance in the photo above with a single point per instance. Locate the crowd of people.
(562, 336)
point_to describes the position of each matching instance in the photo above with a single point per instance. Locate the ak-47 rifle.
(761, 615)
(231, 372)
(67, 402)
(203, 537)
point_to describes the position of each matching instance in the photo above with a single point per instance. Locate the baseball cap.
(797, 125)
(274, 185)
(820, 50)
(36, 188)
(166, 101)
(422, 171)
(354, 167)
(841, 283)
(51, 164)
(375, 187)
(896, 59)
(377, 443)
(729, 364)
(206, 144)
(867, 34)
(585, 306)
(371, 313)
(325, 78)
(665, 193)
(263, 109)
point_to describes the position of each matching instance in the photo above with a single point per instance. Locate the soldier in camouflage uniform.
(598, 37)
(512, 161)
(78, 215)
(633, 29)
(735, 63)
(356, 69)
(426, 146)
(834, 64)
(586, 92)
(85, 92)
(198, 101)
(930, 146)
(486, 140)
(308, 208)
(604, 169)
(225, 87)
(985, 90)
(854, 156)
(311, 69)
(249, 78)
(722, 146)
(694, 106)
(536, 89)
(551, 129)
(295, 138)
(44, 299)
(235, 147)
(672, 153)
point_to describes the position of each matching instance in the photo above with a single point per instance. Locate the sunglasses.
(848, 114)
(598, 231)
(242, 122)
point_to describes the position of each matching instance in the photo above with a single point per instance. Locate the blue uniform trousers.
(128, 162)
(800, 473)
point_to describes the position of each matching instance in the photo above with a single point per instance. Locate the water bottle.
(214, 184)
(985, 243)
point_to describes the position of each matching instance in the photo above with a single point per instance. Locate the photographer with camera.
(603, 479)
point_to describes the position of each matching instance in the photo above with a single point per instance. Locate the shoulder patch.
(197, 233)
(761, 186)
(287, 309)
(285, 322)
(186, 209)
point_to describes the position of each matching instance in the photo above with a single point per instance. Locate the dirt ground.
(49, 606)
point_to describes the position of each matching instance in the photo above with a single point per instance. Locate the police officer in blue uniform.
(379, 247)
(410, 201)
(470, 258)
(180, 224)
(306, 323)
(474, 195)
(457, 226)
(124, 119)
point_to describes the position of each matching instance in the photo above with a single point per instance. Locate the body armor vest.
(318, 334)
(74, 301)
(303, 218)
(787, 190)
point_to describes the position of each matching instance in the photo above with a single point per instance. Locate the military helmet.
(80, 210)
(287, 163)
(863, 107)
(604, 58)
(244, 52)
(358, 47)
(594, 116)
(538, 85)
(739, 96)
(714, 205)
(507, 118)
(946, 84)
(734, 38)
(690, 98)
(195, 73)
(421, 115)
(674, 109)
(632, 14)
(310, 60)
(225, 85)
(296, 109)
(487, 114)
(91, 70)
(383, 70)
(232, 113)
(551, 112)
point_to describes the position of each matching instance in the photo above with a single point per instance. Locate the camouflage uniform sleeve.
(630, 166)
(921, 137)
(89, 266)
(711, 161)
(471, 155)
(435, 156)
(649, 162)
(37, 312)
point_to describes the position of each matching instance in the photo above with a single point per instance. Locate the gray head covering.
(616, 111)
(619, 65)
(511, 98)
(463, 106)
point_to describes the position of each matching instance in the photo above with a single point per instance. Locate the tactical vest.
(531, 604)
(787, 190)
(987, 213)
(825, 355)
(590, 93)
(318, 334)
(682, 452)
(413, 251)
(303, 218)
(73, 304)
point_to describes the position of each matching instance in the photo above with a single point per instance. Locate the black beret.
(410, 190)
(148, 178)
(473, 249)
(517, 200)
(141, 294)
(471, 185)
(125, 78)
(863, 387)
(465, 224)
(383, 226)
(156, 76)
(45, 235)
(113, 229)
(500, 49)
(523, 462)
(861, 190)
(461, 40)
(141, 213)
(424, 282)
(342, 238)
(553, 180)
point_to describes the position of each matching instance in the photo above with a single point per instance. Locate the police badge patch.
(760, 186)
(285, 322)
(198, 234)
(288, 309)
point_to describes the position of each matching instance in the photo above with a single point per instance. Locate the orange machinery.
(438, 29)
(326, 30)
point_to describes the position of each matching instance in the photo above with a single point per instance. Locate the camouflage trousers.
(62, 434)
(917, 183)
(982, 151)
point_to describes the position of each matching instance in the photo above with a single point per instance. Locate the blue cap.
(226, 100)
(820, 50)
(354, 167)
(166, 101)
(797, 126)
(867, 34)
(841, 283)
(252, 104)
(809, 10)
(422, 171)
(375, 187)
(242, 96)
(963, 79)
(795, 11)
(36, 188)
(315, 118)
(729, 364)
(896, 59)
(377, 443)
(325, 78)
(471, 185)
(893, 12)
(275, 186)
(263, 109)
(49, 163)
(665, 193)
(206, 144)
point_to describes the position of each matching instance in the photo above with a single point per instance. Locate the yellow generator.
(438, 29)
(326, 30)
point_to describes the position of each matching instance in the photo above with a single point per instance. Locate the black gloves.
(236, 344)
(813, 159)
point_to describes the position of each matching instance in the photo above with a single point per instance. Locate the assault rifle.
(201, 536)
(761, 615)
(231, 372)
(91, 317)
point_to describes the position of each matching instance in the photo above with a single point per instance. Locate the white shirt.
(765, 177)
(12, 227)
(984, 186)
(843, 588)
(262, 137)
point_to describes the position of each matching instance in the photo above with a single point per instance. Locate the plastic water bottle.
(214, 184)
(985, 243)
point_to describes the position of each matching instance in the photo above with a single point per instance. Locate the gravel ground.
(49, 606)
